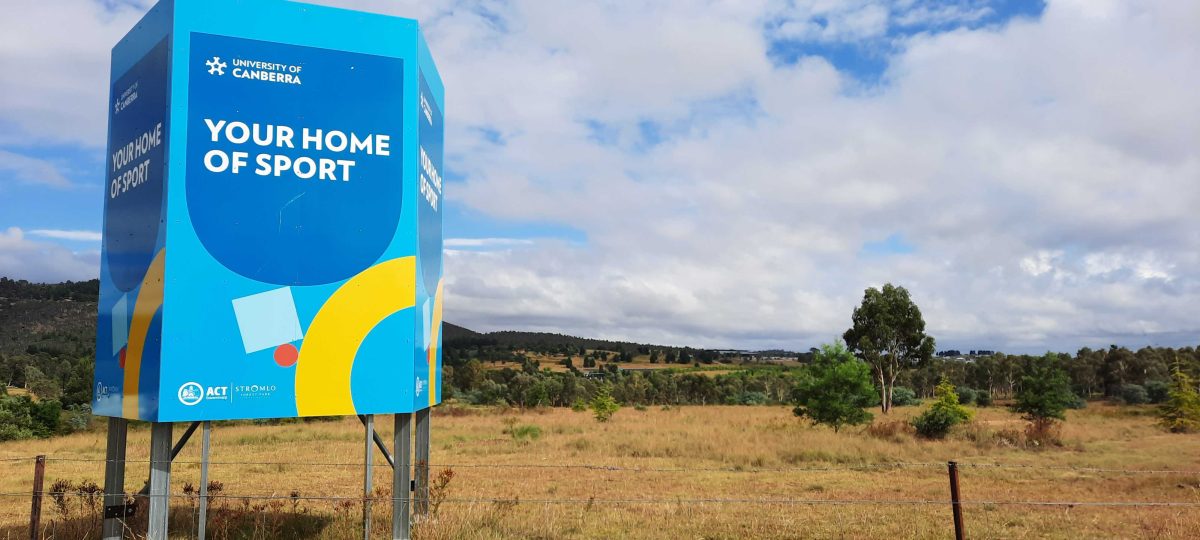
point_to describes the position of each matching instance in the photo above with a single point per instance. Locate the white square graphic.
(267, 319)
(120, 324)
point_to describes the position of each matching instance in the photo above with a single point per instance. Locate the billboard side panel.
(129, 319)
(430, 178)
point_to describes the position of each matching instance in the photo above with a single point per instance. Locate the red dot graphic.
(286, 355)
(121, 358)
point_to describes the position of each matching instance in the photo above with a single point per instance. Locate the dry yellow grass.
(738, 445)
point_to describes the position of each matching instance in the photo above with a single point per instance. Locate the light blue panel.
(267, 319)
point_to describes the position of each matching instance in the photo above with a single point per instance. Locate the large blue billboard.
(291, 265)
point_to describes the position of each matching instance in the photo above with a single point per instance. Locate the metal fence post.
(35, 513)
(160, 480)
(401, 481)
(115, 509)
(956, 502)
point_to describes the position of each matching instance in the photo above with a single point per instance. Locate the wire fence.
(864, 467)
(90, 504)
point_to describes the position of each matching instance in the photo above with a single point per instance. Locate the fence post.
(35, 513)
(956, 502)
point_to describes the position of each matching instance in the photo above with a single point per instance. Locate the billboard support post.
(160, 480)
(401, 481)
(368, 470)
(204, 443)
(422, 465)
(114, 479)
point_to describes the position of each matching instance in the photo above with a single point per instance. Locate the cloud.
(486, 243)
(27, 170)
(80, 236)
(55, 83)
(21, 258)
(1045, 168)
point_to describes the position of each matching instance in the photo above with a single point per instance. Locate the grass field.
(707, 472)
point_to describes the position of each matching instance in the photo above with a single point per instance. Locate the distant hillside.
(459, 337)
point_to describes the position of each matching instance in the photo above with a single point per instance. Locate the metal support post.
(369, 453)
(401, 483)
(115, 510)
(422, 465)
(160, 480)
(206, 431)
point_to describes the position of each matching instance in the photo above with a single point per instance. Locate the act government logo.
(256, 70)
(191, 393)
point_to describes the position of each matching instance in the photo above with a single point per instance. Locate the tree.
(1045, 393)
(1181, 412)
(836, 390)
(603, 405)
(889, 334)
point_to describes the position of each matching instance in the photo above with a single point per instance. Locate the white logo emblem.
(216, 66)
(420, 386)
(191, 393)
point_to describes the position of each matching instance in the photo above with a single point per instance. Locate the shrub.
(1158, 391)
(1134, 394)
(603, 405)
(903, 396)
(983, 398)
(1181, 412)
(579, 405)
(944, 414)
(935, 423)
(967, 396)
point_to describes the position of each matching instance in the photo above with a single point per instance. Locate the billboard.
(272, 219)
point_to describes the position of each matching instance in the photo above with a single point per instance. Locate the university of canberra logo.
(216, 66)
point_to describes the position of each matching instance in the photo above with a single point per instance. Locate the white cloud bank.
(1046, 172)
(22, 258)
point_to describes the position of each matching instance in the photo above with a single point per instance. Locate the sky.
(735, 173)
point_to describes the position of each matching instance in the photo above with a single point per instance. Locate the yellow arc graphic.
(149, 300)
(339, 328)
(436, 325)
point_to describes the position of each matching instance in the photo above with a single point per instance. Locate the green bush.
(983, 398)
(944, 414)
(1158, 391)
(935, 423)
(523, 434)
(1134, 394)
(967, 396)
(603, 405)
(904, 396)
(1181, 412)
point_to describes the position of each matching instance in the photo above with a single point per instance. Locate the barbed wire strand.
(766, 501)
(621, 468)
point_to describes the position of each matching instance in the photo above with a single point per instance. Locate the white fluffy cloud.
(22, 258)
(1045, 172)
